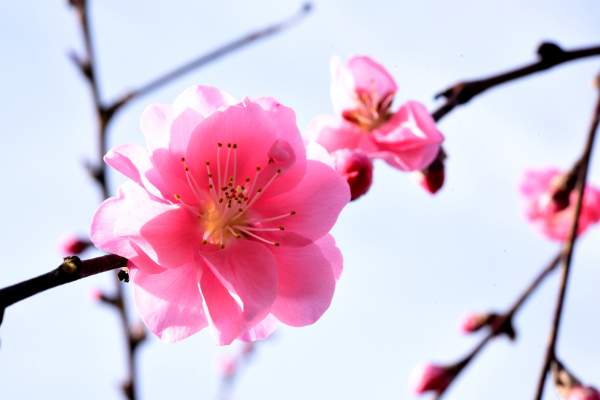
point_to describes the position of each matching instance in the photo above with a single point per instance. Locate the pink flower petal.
(306, 285)
(410, 140)
(223, 312)
(155, 124)
(360, 74)
(252, 132)
(331, 252)
(248, 270)
(262, 330)
(317, 201)
(205, 100)
(133, 161)
(335, 134)
(169, 303)
(173, 237)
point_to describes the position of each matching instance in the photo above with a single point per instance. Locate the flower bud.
(431, 377)
(357, 168)
(73, 245)
(584, 393)
(432, 177)
(475, 321)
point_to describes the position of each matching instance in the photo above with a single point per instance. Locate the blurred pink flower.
(72, 245)
(538, 188)
(228, 366)
(224, 219)
(430, 378)
(362, 92)
(356, 168)
(584, 393)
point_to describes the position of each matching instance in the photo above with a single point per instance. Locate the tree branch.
(550, 55)
(504, 322)
(70, 270)
(569, 248)
(213, 55)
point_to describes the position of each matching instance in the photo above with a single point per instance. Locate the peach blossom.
(538, 188)
(362, 92)
(223, 218)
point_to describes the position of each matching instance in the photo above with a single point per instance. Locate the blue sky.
(414, 263)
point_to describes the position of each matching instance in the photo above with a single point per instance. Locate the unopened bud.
(432, 178)
(72, 245)
(584, 393)
(475, 321)
(357, 168)
(431, 378)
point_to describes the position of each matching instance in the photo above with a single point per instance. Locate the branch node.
(549, 51)
(71, 264)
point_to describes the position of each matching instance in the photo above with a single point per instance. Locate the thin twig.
(504, 322)
(70, 270)
(88, 67)
(569, 247)
(550, 55)
(214, 55)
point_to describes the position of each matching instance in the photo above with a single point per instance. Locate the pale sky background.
(414, 263)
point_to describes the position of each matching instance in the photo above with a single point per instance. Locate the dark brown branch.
(70, 270)
(569, 247)
(504, 322)
(550, 55)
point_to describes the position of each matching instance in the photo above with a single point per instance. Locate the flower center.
(224, 210)
(370, 113)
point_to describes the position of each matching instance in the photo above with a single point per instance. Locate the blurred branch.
(70, 270)
(569, 248)
(549, 54)
(504, 322)
(214, 55)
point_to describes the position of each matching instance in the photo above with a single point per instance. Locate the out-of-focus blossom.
(72, 245)
(584, 393)
(569, 387)
(362, 92)
(357, 168)
(224, 220)
(431, 378)
(552, 216)
(228, 366)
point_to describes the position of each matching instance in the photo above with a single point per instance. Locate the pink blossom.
(430, 377)
(223, 218)
(356, 168)
(362, 92)
(584, 393)
(538, 188)
(73, 245)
